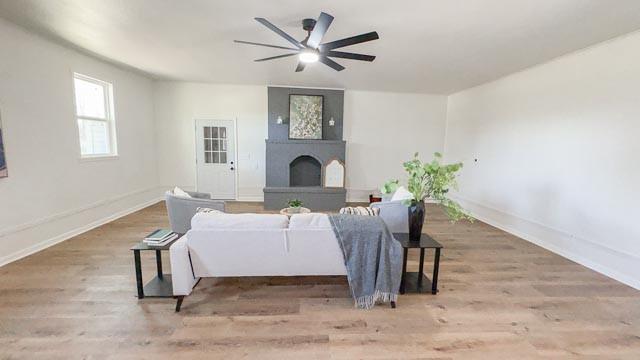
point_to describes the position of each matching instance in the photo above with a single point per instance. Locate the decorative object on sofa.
(360, 210)
(3, 160)
(181, 209)
(428, 180)
(310, 49)
(305, 117)
(372, 256)
(334, 174)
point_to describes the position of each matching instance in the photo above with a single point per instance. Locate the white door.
(215, 158)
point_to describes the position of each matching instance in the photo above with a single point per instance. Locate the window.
(215, 145)
(94, 113)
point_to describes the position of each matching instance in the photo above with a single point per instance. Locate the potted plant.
(428, 180)
(294, 206)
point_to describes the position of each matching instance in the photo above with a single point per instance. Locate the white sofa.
(220, 245)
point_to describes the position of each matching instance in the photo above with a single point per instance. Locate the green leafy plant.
(294, 203)
(431, 180)
(390, 187)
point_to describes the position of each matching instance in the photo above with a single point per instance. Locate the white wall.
(50, 194)
(381, 129)
(178, 104)
(557, 149)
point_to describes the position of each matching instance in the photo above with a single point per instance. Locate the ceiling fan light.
(308, 56)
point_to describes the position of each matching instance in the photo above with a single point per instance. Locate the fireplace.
(305, 171)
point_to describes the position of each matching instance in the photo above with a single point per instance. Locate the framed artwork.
(305, 116)
(3, 160)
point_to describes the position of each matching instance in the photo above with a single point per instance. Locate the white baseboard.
(75, 231)
(616, 264)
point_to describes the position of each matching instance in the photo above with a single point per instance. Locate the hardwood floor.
(500, 297)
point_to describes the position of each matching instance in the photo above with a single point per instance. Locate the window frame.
(109, 118)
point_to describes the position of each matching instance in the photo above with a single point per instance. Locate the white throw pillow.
(401, 194)
(216, 221)
(180, 193)
(309, 221)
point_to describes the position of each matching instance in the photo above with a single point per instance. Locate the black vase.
(416, 220)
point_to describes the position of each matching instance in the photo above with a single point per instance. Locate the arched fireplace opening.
(305, 171)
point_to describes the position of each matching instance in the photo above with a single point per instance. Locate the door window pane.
(223, 157)
(207, 144)
(207, 132)
(223, 132)
(216, 145)
(214, 133)
(216, 158)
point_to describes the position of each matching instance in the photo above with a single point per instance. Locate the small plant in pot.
(428, 180)
(294, 206)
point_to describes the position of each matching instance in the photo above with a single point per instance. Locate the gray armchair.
(395, 214)
(182, 209)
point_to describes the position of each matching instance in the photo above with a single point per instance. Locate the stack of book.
(160, 237)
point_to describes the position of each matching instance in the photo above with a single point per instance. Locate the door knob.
(232, 168)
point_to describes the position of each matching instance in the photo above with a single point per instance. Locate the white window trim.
(109, 119)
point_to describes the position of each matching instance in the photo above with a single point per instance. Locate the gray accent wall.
(281, 151)
(332, 106)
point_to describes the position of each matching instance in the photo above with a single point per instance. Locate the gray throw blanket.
(372, 256)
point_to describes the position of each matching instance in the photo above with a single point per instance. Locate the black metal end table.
(417, 282)
(159, 286)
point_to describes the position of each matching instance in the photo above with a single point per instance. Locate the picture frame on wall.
(4, 172)
(305, 116)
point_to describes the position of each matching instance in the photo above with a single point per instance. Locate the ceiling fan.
(310, 49)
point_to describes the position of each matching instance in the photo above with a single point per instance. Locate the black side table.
(417, 282)
(159, 286)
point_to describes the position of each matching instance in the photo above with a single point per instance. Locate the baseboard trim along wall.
(65, 224)
(616, 264)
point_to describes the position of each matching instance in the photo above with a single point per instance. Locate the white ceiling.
(433, 46)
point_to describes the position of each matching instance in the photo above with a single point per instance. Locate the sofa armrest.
(182, 276)
(395, 214)
(181, 210)
(199, 195)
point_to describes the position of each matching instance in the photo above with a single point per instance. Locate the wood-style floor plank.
(500, 297)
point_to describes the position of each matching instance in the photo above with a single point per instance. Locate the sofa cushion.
(309, 221)
(212, 220)
(180, 193)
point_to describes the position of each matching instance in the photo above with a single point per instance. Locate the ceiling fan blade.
(276, 30)
(300, 66)
(320, 28)
(330, 63)
(276, 57)
(266, 45)
(348, 55)
(349, 41)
